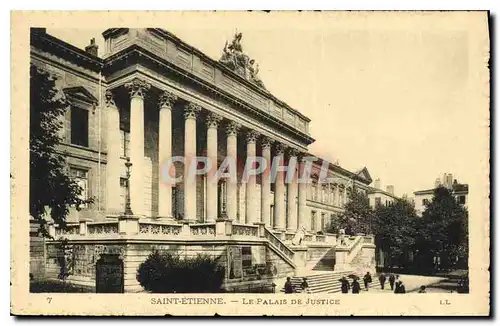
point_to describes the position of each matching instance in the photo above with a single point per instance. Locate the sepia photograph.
(310, 160)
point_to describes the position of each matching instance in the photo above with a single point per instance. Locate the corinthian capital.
(137, 87)
(191, 111)
(252, 136)
(213, 120)
(265, 142)
(232, 128)
(292, 152)
(280, 148)
(109, 98)
(167, 100)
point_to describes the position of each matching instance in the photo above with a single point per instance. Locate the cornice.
(65, 50)
(137, 52)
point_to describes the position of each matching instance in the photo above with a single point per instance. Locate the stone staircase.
(327, 282)
(321, 260)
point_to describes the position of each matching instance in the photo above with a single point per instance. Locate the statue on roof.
(234, 58)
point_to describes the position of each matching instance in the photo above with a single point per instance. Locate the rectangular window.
(79, 127)
(378, 201)
(425, 201)
(124, 143)
(313, 221)
(461, 200)
(80, 176)
(123, 193)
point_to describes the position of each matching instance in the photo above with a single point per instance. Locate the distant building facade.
(378, 196)
(459, 190)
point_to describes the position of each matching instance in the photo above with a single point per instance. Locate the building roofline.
(340, 169)
(373, 190)
(39, 36)
(111, 31)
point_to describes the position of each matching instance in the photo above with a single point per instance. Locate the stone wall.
(81, 259)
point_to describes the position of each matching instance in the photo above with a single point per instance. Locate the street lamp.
(128, 209)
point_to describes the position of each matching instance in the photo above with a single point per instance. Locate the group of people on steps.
(394, 281)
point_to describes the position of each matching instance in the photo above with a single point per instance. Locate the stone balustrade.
(133, 227)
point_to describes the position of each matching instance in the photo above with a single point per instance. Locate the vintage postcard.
(250, 163)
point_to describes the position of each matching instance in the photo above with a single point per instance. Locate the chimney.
(92, 48)
(377, 183)
(449, 180)
(437, 183)
(390, 189)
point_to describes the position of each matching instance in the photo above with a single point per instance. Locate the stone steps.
(327, 282)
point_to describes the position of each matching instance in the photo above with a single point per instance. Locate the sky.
(394, 97)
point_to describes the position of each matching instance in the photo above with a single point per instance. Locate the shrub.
(167, 273)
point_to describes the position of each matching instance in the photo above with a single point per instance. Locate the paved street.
(411, 282)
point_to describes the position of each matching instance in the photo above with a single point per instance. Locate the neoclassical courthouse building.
(151, 96)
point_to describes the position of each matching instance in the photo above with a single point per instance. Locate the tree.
(444, 230)
(50, 185)
(395, 230)
(357, 216)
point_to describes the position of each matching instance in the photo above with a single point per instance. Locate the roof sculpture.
(234, 58)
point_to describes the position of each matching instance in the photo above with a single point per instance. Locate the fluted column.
(212, 121)
(137, 89)
(166, 103)
(113, 167)
(232, 129)
(291, 179)
(191, 111)
(279, 191)
(302, 213)
(265, 187)
(251, 190)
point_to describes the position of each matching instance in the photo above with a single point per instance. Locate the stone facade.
(152, 97)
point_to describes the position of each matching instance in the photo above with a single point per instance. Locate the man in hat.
(382, 279)
(392, 280)
(367, 279)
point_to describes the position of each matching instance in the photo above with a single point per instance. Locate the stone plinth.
(128, 224)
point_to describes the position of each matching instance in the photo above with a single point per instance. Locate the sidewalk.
(411, 283)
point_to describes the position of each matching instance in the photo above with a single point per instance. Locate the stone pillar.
(279, 191)
(191, 111)
(251, 190)
(212, 208)
(232, 183)
(265, 187)
(302, 211)
(137, 89)
(113, 166)
(166, 103)
(291, 224)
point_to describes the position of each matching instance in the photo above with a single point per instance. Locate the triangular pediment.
(80, 93)
(364, 174)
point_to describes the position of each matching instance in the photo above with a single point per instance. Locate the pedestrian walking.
(392, 280)
(382, 279)
(288, 285)
(367, 279)
(355, 286)
(344, 287)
